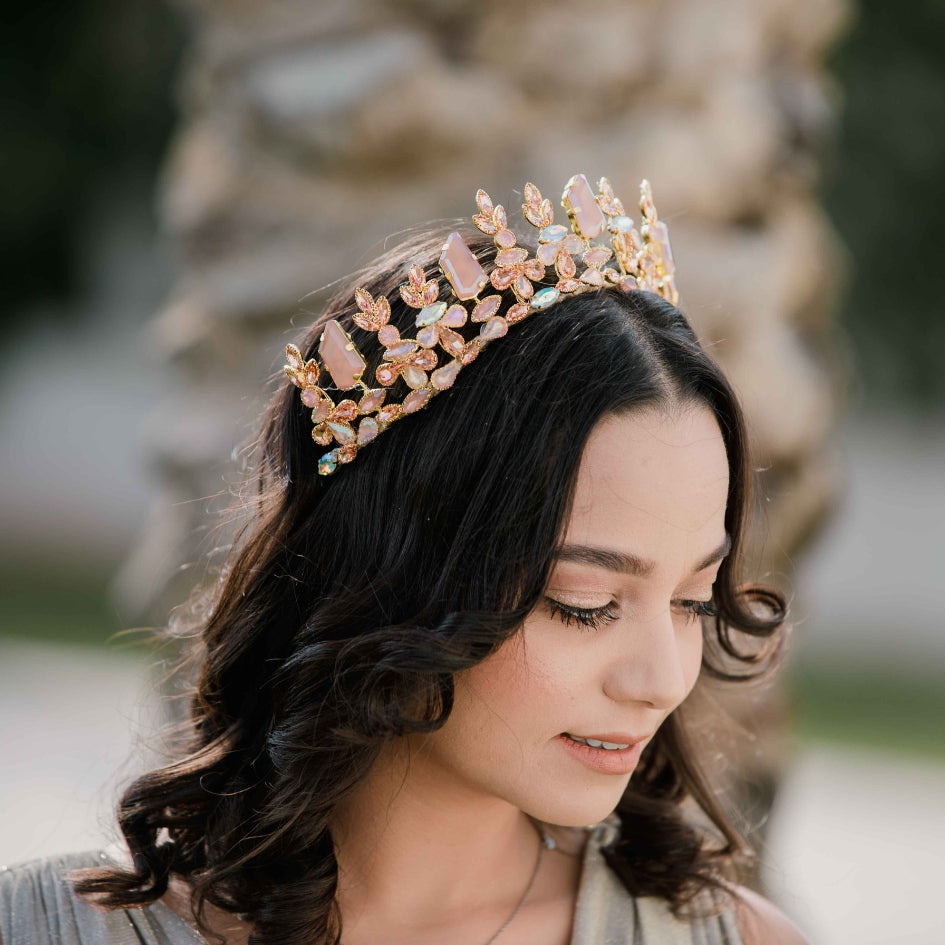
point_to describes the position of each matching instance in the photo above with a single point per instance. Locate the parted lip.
(617, 738)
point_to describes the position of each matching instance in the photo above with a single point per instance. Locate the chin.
(579, 808)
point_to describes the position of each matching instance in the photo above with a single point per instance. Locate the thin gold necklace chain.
(545, 842)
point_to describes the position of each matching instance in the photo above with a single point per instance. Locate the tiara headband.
(623, 257)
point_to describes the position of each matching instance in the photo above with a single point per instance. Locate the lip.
(616, 761)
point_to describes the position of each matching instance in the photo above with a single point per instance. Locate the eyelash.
(594, 618)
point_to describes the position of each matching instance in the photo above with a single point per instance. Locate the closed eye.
(590, 618)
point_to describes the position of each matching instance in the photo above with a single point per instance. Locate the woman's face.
(617, 643)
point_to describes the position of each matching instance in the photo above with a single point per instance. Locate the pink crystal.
(343, 360)
(471, 351)
(516, 313)
(505, 239)
(567, 285)
(389, 413)
(565, 266)
(425, 359)
(462, 269)
(502, 278)
(455, 317)
(293, 356)
(451, 341)
(346, 410)
(581, 204)
(486, 308)
(413, 376)
(534, 269)
(342, 432)
(523, 288)
(547, 252)
(592, 277)
(388, 336)
(511, 257)
(310, 397)
(372, 400)
(444, 377)
(597, 256)
(428, 336)
(415, 400)
(321, 411)
(496, 327)
(659, 237)
(367, 430)
(347, 453)
(322, 435)
(400, 351)
(386, 374)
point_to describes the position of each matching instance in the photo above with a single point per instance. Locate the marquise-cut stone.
(582, 207)
(388, 336)
(400, 351)
(553, 233)
(517, 312)
(328, 463)
(428, 336)
(430, 314)
(511, 257)
(523, 287)
(416, 399)
(462, 269)
(367, 430)
(342, 432)
(343, 360)
(443, 377)
(567, 285)
(496, 327)
(414, 376)
(293, 356)
(310, 397)
(372, 400)
(486, 308)
(545, 297)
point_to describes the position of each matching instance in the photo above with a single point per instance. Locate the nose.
(654, 661)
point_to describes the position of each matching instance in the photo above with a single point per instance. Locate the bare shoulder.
(763, 923)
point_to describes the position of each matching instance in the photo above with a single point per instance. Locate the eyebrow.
(627, 563)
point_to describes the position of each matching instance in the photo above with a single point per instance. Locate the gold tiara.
(622, 257)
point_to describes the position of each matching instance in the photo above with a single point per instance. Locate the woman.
(448, 644)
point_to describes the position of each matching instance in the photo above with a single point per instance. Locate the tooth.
(594, 743)
(613, 746)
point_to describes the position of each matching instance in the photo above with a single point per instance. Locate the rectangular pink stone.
(340, 356)
(579, 201)
(462, 269)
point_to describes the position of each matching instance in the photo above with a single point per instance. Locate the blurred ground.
(856, 854)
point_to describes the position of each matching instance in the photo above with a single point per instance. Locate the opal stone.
(455, 317)
(328, 463)
(486, 308)
(579, 201)
(462, 269)
(553, 233)
(430, 314)
(496, 327)
(367, 430)
(428, 336)
(339, 355)
(620, 225)
(443, 377)
(343, 433)
(544, 298)
(413, 376)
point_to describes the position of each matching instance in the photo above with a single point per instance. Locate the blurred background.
(177, 178)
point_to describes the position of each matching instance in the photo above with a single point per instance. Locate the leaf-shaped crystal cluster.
(601, 248)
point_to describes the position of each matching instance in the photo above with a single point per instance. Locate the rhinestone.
(293, 356)
(620, 225)
(552, 234)
(502, 278)
(425, 359)
(511, 257)
(505, 239)
(544, 298)
(388, 336)
(471, 351)
(389, 412)
(347, 453)
(581, 204)
(321, 411)
(566, 286)
(414, 376)
(517, 312)
(486, 308)
(597, 256)
(367, 430)
(328, 463)
(534, 269)
(523, 288)
(451, 341)
(461, 268)
(428, 336)
(372, 400)
(592, 277)
(573, 244)
(346, 410)
(341, 431)
(443, 377)
(455, 317)
(386, 374)
(398, 352)
(322, 435)
(310, 397)
(496, 327)
(430, 314)
(416, 399)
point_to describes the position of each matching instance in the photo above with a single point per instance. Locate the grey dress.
(37, 907)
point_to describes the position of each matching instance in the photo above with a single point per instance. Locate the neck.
(418, 848)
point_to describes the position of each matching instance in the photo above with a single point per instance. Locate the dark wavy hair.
(350, 602)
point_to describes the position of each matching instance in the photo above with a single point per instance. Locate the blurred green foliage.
(85, 92)
(886, 194)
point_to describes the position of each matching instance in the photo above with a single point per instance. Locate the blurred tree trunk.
(312, 131)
